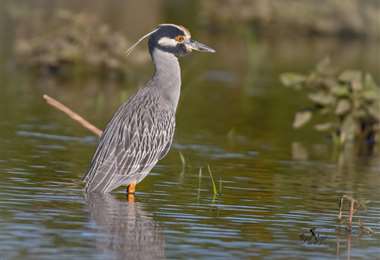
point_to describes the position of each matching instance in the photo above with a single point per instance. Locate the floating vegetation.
(311, 236)
(73, 44)
(348, 102)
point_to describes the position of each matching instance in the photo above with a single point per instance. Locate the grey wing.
(129, 148)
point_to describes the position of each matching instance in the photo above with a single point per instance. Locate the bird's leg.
(131, 192)
(131, 188)
(131, 197)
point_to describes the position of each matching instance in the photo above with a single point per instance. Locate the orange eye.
(180, 38)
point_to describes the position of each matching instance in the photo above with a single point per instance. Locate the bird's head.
(173, 39)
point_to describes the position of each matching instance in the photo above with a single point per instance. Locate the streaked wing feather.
(135, 139)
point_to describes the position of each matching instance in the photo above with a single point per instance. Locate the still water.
(234, 116)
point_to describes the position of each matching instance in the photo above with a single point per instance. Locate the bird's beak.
(194, 45)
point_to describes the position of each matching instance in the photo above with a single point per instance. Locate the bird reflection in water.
(130, 233)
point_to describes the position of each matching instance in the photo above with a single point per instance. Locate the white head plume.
(130, 49)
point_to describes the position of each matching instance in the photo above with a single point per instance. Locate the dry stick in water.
(340, 215)
(352, 211)
(58, 105)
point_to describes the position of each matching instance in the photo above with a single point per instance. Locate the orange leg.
(131, 188)
(131, 192)
(131, 197)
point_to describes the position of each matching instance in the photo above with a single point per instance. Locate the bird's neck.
(167, 76)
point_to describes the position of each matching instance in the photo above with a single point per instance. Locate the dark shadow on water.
(125, 229)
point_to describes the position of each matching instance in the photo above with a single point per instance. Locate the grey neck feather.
(167, 76)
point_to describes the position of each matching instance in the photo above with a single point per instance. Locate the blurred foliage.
(333, 18)
(74, 43)
(349, 102)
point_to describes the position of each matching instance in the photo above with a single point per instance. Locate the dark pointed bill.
(194, 45)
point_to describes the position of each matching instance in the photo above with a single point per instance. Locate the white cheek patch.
(167, 42)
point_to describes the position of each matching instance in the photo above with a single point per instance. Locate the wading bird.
(142, 129)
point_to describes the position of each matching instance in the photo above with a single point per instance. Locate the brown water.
(234, 115)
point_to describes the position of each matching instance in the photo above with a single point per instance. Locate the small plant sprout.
(183, 160)
(214, 189)
(199, 182)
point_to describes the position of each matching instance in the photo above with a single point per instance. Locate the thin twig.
(58, 105)
(340, 207)
(351, 214)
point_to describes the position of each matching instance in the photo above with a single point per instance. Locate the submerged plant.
(349, 102)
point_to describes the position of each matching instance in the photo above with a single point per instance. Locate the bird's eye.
(180, 38)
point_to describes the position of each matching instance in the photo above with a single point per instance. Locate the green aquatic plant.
(182, 158)
(214, 189)
(348, 102)
(199, 183)
(220, 185)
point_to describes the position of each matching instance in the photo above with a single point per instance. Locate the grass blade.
(183, 160)
(215, 191)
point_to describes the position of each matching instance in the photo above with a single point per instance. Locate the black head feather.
(168, 31)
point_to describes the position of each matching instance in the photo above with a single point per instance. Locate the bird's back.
(139, 134)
